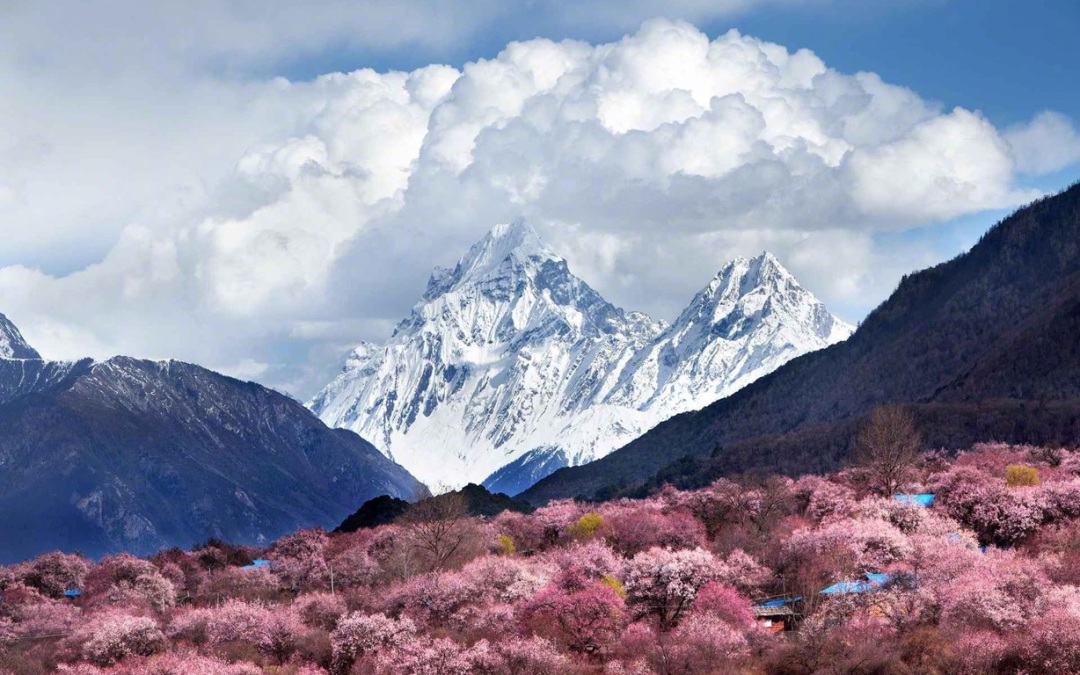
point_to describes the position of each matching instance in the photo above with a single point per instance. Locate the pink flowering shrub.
(53, 617)
(279, 634)
(744, 573)
(863, 545)
(555, 520)
(359, 634)
(257, 584)
(125, 579)
(705, 645)
(720, 505)
(942, 558)
(633, 529)
(320, 610)
(665, 583)
(1001, 593)
(300, 560)
(527, 532)
(528, 656)
(725, 603)
(1062, 500)
(232, 621)
(353, 567)
(1051, 645)
(595, 558)
(434, 598)
(53, 573)
(115, 636)
(978, 652)
(441, 656)
(189, 663)
(1000, 515)
(438, 656)
(582, 619)
(824, 498)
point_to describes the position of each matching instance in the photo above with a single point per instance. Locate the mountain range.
(133, 455)
(982, 347)
(511, 367)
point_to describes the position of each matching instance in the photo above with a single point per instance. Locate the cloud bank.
(648, 162)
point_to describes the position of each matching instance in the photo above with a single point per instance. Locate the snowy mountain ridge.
(12, 344)
(510, 366)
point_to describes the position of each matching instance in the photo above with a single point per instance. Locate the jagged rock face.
(139, 455)
(752, 318)
(511, 367)
(12, 344)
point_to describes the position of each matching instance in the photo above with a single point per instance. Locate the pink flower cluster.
(987, 579)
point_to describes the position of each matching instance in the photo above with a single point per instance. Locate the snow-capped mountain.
(12, 344)
(752, 318)
(510, 366)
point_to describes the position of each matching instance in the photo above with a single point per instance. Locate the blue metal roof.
(848, 587)
(73, 592)
(779, 602)
(918, 500)
(873, 582)
(258, 562)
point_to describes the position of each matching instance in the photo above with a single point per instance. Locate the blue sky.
(203, 181)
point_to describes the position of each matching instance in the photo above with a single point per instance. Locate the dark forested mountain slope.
(985, 346)
(137, 455)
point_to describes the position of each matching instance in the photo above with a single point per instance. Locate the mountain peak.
(746, 290)
(12, 343)
(756, 270)
(517, 239)
(505, 243)
(741, 276)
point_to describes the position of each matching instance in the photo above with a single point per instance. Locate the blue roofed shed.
(777, 614)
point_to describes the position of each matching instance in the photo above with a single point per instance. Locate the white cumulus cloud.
(648, 161)
(1047, 143)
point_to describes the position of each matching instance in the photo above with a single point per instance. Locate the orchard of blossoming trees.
(985, 580)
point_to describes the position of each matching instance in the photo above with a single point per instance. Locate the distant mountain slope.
(985, 346)
(511, 367)
(138, 455)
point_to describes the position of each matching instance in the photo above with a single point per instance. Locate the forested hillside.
(984, 347)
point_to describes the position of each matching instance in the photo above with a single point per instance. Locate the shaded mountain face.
(511, 367)
(12, 344)
(131, 455)
(983, 347)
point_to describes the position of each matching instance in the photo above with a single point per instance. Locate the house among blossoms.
(776, 615)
